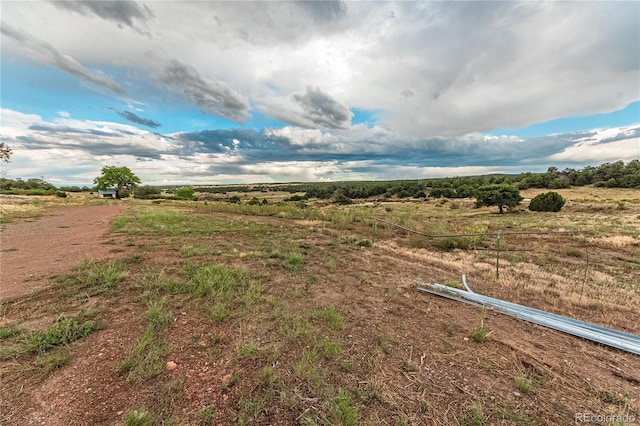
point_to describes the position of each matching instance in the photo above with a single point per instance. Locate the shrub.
(547, 202)
(343, 200)
(185, 193)
(61, 194)
(147, 191)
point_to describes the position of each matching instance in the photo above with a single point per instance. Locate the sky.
(204, 92)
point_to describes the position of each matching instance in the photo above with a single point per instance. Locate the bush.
(343, 200)
(61, 194)
(185, 193)
(547, 202)
(147, 191)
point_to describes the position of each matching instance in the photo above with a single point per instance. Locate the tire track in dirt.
(31, 252)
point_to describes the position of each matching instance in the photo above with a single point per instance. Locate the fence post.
(498, 256)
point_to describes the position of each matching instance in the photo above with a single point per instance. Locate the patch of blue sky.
(627, 116)
(368, 117)
(49, 92)
(38, 89)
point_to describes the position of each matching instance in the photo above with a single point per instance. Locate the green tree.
(185, 193)
(547, 202)
(116, 177)
(501, 195)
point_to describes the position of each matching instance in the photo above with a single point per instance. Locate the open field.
(306, 313)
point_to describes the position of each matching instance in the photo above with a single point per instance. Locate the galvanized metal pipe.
(614, 338)
(578, 323)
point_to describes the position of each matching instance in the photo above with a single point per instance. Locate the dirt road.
(31, 252)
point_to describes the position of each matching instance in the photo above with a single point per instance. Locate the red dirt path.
(33, 251)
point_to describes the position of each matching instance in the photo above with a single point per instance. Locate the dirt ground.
(410, 352)
(33, 250)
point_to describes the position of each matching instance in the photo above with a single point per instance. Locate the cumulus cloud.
(134, 118)
(122, 12)
(48, 54)
(297, 154)
(311, 109)
(211, 96)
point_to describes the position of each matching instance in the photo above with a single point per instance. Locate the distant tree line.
(30, 187)
(610, 175)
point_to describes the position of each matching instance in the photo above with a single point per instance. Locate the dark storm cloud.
(322, 109)
(312, 109)
(211, 96)
(48, 54)
(324, 11)
(122, 12)
(134, 118)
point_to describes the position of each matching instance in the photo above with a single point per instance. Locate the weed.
(48, 362)
(333, 317)
(523, 384)
(207, 416)
(385, 345)
(218, 312)
(473, 416)
(329, 263)
(346, 366)
(138, 417)
(190, 251)
(344, 411)
(64, 331)
(228, 382)
(480, 333)
(267, 376)
(8, 332)
(93, 278)
(119, 224)
(293, 262)
(330, 348)
(610, 398)
(408, 366)
(296, 326)
(146, 359)
(158, 315)
(305, 370)
(247, 350)
(250, 408)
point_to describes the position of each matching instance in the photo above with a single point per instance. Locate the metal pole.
(498, 256)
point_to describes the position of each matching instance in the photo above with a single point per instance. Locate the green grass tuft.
(64, 331)
(93, 278)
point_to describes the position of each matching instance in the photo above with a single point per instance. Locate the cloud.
(324, 11)
(46, 53)
(122, 12)
(211, 96)
(312, 109)
(292, 153)
(134, 118)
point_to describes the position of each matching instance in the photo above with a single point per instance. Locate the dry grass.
(615, 241)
